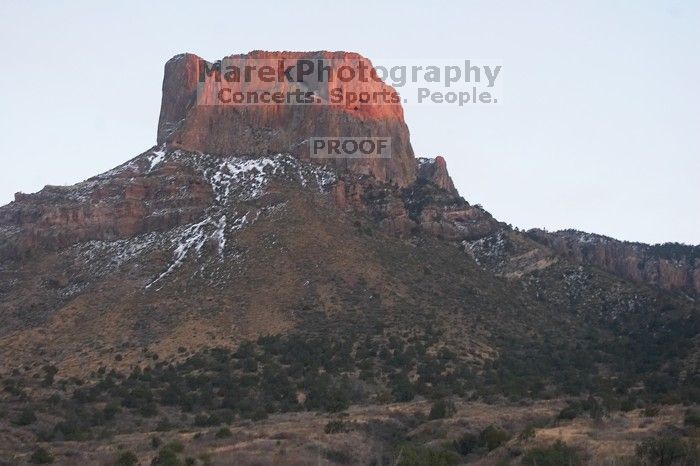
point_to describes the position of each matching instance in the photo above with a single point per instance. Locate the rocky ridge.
(671, 266)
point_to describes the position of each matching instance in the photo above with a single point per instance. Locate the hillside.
(200, 285)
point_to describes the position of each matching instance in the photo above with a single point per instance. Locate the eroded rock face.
(125, 202)
(430, 205)
(669, 266)
(435, 170)
(198, 122)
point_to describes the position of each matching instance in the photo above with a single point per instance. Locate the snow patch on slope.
(234, 181)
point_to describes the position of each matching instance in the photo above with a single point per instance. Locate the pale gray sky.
(600, 130)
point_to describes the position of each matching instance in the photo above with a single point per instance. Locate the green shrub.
(26, 417)
(149, 409)
(442, 409)
(528, 432)
(72, 429)
(692, 418)
(467, 443)
(166, 458)
(667, 451)
(336, 427)
(338, 456)
(557, 454)
(224, 432)
(492, 437)
(571, 412)
(422, 456)
(175, 446)
(402, 389)
(168, 455)
(126, 458)
(50, 373)
(41, 456)
(111, 410)
(156, 441)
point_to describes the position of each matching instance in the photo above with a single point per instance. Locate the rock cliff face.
(430, 205)
(193, 117)
(128, 201)
(435, 170)
(669, 266)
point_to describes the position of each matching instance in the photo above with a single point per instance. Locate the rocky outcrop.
(127, 201)
(430, 205)
(435, 171)
(671, 266)
(192, 116)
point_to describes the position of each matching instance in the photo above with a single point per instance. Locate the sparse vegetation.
(126, 458)
(41, 456)
(493, 437)
(410, 455)
(442, 409)
(668, 451)
(557, 454)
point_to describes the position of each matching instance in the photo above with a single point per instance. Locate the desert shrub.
(41, 456)
(692, 417)
(527, 433)
(627, 405)
(422, 456)
(493, 437)
(149, 409)
(164, 425)
(651, 411)
(323, 392)
(402, 389)
(442, 409)
(206, 420)
(224, 432)
(570, 412)
(254, 413)
(336, 427)
(72, 429)
(338, 456)
(50, 372)
(467, 443)
(126, 458)
(166, 458)
(667, 451)
(250, 364)
(26, 417)
(175, 446)
(556, 454)
(168, 455)
(111, 410)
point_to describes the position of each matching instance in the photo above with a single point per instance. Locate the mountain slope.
(222, 285)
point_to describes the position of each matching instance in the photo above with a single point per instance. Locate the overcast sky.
(600, 129)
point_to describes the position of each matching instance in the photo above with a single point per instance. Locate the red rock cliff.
(190, 120)
(671, 266)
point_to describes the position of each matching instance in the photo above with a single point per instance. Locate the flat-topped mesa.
(196, 115)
